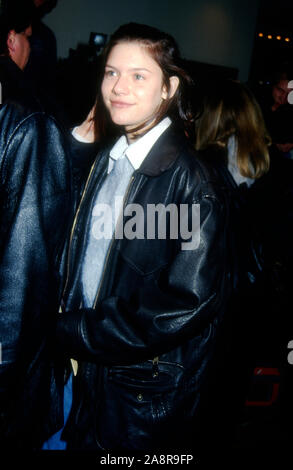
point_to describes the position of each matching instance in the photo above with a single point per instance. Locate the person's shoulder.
(17, 110)
(35, 136)
(201, 174)
(14, 115)
(34, 147)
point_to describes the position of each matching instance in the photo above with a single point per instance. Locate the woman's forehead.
(132, 52)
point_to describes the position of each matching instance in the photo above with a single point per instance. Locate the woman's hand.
(87, 129)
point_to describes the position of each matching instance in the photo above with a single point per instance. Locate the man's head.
(15, 29)
(280, 92)
(281, 86)
(44, 6)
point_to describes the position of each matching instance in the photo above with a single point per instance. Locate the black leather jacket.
(144, 348)
(34, 212)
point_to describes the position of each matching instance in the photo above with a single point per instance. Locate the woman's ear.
(174, 83)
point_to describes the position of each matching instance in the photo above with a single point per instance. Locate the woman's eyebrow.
(133, 69)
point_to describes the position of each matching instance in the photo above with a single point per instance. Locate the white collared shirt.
(138, 150)
(233, 164)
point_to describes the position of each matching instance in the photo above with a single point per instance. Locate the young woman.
(144, 294)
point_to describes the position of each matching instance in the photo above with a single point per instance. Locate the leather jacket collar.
(163, 155)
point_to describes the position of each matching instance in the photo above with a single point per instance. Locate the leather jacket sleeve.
(186, 296)
(34, 213)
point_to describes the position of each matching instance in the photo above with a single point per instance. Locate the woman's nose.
(121, 86)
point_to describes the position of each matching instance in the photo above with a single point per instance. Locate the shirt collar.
(138, 150)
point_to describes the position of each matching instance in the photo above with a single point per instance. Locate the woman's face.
(132, 87)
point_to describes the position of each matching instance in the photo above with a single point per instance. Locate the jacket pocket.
(152, 375)
(138, 403)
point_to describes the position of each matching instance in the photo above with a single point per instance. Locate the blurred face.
(19, 47)
(280, 92)
(132, 87)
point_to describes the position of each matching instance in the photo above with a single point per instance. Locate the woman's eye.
(110, 73)
(137, 76)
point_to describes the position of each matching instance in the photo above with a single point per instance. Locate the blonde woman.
(232, 125)
(232, 119)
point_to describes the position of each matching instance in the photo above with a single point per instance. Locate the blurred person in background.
(232, 126)
(35, 209)
(278, 113)
(41, 69)
(14, 46)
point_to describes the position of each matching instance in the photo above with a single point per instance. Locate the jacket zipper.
(73, 362)
(155, 369)
(72, 232)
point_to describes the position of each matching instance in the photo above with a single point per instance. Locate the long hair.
(164, 50)
(230, 108)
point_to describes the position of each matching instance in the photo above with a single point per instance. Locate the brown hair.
(164, 51)
(231, 109)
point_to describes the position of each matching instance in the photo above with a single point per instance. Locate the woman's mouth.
(120, 104)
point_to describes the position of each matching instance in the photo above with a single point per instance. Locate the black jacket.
(144, 348)
(35, 203)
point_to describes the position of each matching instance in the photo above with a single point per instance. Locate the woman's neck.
(132, 135)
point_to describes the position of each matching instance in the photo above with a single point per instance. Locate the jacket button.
(139, 397)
